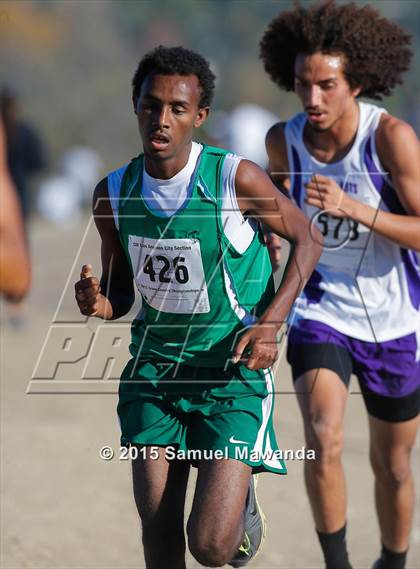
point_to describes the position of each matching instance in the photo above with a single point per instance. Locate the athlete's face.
(167, 112)
(323, 89)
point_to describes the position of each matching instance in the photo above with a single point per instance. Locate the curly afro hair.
(376, 51)
(176, 61)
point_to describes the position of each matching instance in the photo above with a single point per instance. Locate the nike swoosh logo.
(233, 440)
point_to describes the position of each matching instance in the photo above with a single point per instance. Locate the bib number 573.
(180, 270)
(325, 221)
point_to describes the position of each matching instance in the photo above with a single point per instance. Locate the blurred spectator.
(24, 149)
(246, 134)
(14, 256)
(60, 201)
(62, 197)
(83, 165)
(242, 131)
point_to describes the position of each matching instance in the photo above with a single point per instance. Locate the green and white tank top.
(199, 287)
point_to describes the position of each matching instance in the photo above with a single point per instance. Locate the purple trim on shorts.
(315, 332)
(312, 291)
(297, 176)
(386, 368)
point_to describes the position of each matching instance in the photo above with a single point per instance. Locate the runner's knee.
(326, 439)
(211, 554)
(391, 467)
(210, 550)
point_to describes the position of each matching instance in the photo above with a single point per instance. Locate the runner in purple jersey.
(354, 169)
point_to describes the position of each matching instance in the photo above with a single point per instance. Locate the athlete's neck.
(167, 168)
(334, 143)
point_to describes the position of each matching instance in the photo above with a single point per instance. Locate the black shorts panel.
(305, 357)
(391, 409)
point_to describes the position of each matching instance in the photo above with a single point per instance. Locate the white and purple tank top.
(364, 286)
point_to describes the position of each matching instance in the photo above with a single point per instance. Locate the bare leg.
(390, 449)
(322, 397)
(159, 491)
(215, 527)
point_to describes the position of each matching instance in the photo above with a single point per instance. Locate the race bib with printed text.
(169, 274)
(348, 245)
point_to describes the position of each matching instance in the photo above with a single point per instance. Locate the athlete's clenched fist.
(88, 293)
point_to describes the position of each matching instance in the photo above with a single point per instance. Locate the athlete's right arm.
(275, 144)
(113, 295)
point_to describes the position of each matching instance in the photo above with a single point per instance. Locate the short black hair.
(376, 51)
(176, 61)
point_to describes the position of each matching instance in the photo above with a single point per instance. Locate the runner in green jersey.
(198, 389)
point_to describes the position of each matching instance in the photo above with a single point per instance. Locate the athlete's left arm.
(259, 198)
(398, 150)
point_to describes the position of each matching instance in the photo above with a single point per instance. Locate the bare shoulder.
(102, 209)
(255, 190)
(275, 142)
(278, 164)
(398, 150)
(395, 140)
(275, 136)
(248, 176)
(100, 196)
(390, 125)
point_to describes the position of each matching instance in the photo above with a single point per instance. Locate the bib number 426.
(164, 273)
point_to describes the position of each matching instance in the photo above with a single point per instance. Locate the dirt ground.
(63, 507)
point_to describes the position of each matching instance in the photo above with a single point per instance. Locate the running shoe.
(255, 526)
